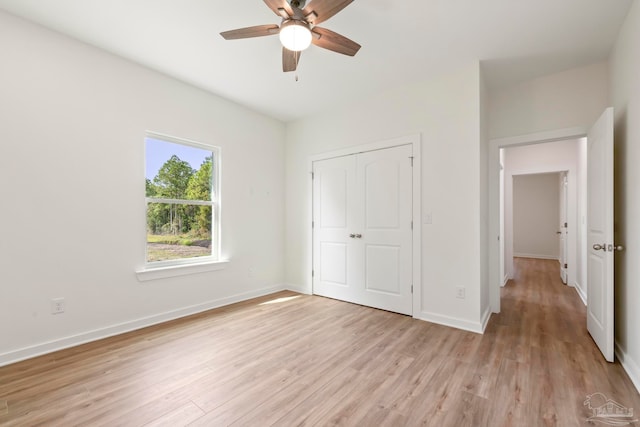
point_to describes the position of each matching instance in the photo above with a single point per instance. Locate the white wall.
(536, 159)
(536, 213)
(572, 98)
(73, 121)
(625, 97)
(446, 112)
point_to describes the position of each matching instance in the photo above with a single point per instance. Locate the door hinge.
(565, 225)
(313, 224)
(412, 225)
(565, 266)
(312, 273)
(411, 288)
(313, 175)
(411, 158)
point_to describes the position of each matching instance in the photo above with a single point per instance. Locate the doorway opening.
(543, 202)
(595, 258)
(536, 219)
(552, 152)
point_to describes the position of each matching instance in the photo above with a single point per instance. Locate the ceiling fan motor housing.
(298, 3)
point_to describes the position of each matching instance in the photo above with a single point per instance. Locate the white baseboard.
(109, 331)
(536, 256)
(505, 280)
(297, 288)
(629, 365)
(580, 292)
(452, 322)
(485, 318)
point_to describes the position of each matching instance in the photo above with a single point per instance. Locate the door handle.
(358, 236)
(598, 247)
(618, 248)
(352, 236)
(558, 232)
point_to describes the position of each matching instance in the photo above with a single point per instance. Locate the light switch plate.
(427, 218)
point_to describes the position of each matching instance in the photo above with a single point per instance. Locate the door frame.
(495, 145)
(564, 230)
(507, 237)
(415, 141)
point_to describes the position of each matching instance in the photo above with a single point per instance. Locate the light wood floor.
(289, 359)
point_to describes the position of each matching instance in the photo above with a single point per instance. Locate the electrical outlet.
(460, 292)
(57, 305)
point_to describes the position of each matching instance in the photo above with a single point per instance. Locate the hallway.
(554, 362)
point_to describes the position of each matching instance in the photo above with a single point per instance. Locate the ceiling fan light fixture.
(295, 35)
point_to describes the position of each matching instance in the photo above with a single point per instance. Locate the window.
(182, 188)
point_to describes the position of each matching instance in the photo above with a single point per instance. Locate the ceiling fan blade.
(333, 41)
(290, 60)
(323, 9)
(257, 31)
(280, 7)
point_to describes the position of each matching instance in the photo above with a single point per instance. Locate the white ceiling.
(402, 41)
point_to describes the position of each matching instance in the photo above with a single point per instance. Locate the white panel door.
(600, 234)
(334, 206)
(385, 184)
(362, 231)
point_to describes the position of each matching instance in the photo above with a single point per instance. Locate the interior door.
(385, 192)
(362, 229)
(564, 206)
(334, 207)
(600, 309)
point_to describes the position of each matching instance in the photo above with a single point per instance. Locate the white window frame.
(169, 268)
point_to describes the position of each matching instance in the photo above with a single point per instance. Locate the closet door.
(335, 256)
(384, 180)
(362, 231)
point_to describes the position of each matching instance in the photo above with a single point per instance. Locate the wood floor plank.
(291, 359)
(181, 416)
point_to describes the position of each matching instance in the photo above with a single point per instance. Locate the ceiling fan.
(298, 29)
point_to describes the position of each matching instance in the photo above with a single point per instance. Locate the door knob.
(352, 236)
(358, 236)
(598, 247)
(619, 248)
(558, 232)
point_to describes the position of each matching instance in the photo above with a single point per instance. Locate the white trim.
(453, 322)
(494, 194)
(581, 293)
(535, 256)
(297, 288)
(505, 280)
(180, 140)
(416, 143)
(541, 137)
(363, 148)
(630, 366)
(486, 316)
(162, 272)
(121, 328)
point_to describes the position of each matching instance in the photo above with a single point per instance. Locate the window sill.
(153, 273)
